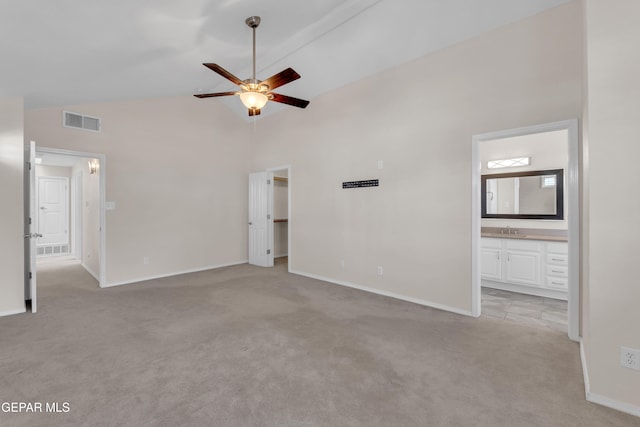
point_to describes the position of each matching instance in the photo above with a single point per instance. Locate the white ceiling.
(66, 52)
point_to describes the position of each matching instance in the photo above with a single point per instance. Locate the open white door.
(260, 219)
(30, 225)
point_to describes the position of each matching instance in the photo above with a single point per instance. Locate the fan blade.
(289, 100)
(224, 73)
(213, 95)
(282, 78)
(254, 112)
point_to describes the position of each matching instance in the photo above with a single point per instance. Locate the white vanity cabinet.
(491, 259)
(534, 267)
(557, 266)
(522, 261)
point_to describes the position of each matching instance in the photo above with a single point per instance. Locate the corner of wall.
(11, 192)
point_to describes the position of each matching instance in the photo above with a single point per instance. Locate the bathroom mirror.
(524, 195)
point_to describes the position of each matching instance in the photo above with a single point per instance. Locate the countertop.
(525, 234)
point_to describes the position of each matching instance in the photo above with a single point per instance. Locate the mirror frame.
(559, 215)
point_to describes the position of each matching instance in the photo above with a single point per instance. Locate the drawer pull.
(556, 283)
(557, 259)
(557, 271)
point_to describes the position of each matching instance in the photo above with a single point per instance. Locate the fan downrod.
(252, 21)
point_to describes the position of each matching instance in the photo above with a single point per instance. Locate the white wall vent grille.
(78, 121)
(53, 250)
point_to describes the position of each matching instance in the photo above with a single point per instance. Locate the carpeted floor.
(247, 346)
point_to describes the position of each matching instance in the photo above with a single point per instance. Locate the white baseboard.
(12, 312)
(90, 271)
(386, 294)
(177, 273)
(603, 400)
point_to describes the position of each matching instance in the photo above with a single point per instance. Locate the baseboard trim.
(385, 293)
(614, 404)
(599, 399)
(12, 312)
(90, 271)
(177, 273)
(585, 372)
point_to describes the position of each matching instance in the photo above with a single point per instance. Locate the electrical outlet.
(630, 358)
(342, 263)
(145, 260)
(380, 271)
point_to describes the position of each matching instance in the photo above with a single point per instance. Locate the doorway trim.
(102, 198)
(573, 218)
(289, 248)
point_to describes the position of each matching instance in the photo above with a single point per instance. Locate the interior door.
(30, 225)
(53, 215)
(260, 219)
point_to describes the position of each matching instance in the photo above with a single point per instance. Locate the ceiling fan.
(255, 93)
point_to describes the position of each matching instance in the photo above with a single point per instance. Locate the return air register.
(78, 121)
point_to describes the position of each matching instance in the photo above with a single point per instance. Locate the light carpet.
(249, 346)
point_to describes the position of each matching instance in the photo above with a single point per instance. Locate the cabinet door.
(491, 264)
(523, 267)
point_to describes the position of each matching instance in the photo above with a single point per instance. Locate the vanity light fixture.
(509, 163)
(93, 166)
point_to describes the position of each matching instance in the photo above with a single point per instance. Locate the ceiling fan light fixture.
(255, 93)
(252, 99)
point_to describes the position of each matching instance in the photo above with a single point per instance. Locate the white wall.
(548, 150)
(90, 217)
(176, 169)
(11, 215)
(612, 305)
(58, 171)
(419, 119)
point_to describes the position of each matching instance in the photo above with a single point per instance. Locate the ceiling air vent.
(78, 121)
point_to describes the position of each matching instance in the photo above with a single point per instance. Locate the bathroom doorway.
(568, 128)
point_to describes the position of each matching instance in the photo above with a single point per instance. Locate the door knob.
(250, 223)
(42, 207)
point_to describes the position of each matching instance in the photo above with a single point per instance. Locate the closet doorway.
(281, 217)
(269, 217)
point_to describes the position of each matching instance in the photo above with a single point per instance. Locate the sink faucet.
(509, 230)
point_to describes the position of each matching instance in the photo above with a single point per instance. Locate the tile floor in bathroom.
(525, 309)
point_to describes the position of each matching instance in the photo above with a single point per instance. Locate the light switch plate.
(110, 206)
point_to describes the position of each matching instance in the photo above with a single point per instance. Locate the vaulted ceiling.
(65, 52)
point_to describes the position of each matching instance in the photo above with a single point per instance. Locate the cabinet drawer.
(557, 270)
(489, 243)
(557, 247)
(557, 259)
(524, 245)
(559, 283)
